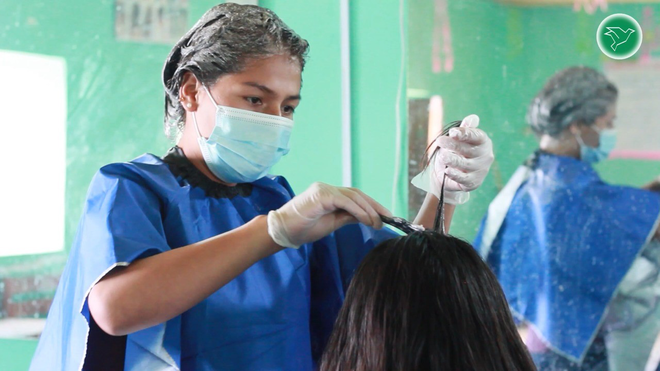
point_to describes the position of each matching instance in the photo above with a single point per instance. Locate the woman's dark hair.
(572, 95)
(425, 301)
(221, 42)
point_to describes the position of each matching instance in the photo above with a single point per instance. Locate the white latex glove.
(319, 211)
(467, 154)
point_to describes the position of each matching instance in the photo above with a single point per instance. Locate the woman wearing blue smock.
(200, 260)
(576, 256)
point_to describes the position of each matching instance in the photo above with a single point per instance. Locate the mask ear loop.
(217, 107)
(578, 137)
(210, 96)
(199, 133)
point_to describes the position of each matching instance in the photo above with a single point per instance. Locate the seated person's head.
(572, 110)
(425, 301)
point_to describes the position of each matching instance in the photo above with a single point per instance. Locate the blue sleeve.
(121, 222)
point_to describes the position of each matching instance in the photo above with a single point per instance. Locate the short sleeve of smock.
(121, 222)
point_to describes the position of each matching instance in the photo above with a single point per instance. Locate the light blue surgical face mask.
(243, 145)
(606, 144)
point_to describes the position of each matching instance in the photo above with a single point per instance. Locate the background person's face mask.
(606, 143)
(243, 145)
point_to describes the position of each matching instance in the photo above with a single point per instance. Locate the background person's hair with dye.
(575, 95)
(425, 301)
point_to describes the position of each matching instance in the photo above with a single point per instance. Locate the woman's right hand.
(319, 211)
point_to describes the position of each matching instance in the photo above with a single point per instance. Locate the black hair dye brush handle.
(401, 224)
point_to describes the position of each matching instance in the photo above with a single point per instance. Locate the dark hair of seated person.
(425, 301)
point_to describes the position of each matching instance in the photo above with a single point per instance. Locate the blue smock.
(276, 315)
(560, 240)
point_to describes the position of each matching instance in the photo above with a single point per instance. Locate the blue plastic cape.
(277, 315)
(560, 241)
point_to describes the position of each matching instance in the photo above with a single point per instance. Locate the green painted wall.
(376, 61)
(503, 56)
(15, 355)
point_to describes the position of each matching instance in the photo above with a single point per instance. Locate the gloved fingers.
(455, 180)
(364, 202)
(468, 135)
(470, 121)
(321, 199)
(456, 197)
(450, 186)
(315, 201)
(456, 161)
(465, 149)
(354, 205)
(342, 218)
(466, 181)
(465, 156)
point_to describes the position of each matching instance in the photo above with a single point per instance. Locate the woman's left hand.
(465, 155)
(467, 152)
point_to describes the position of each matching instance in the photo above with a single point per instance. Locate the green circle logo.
(619, 36)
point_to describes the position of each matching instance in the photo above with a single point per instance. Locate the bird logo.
(618, 35)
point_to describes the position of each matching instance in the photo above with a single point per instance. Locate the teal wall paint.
(375, 66)
(15, 355)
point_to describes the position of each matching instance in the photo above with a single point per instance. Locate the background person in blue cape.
(576, 256)
(199, 260)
